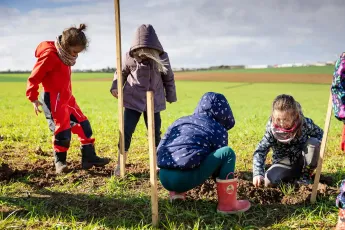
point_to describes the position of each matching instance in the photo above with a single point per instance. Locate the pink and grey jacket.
(338, 88)
(145, 76)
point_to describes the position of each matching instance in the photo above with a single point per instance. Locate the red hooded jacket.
(49, 70)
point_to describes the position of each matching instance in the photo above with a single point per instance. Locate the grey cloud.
(194, 32)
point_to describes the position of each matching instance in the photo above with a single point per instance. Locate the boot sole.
(177, 198)
(234, 212)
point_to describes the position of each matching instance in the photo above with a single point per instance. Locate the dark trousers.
(284, 171)
(131, 119)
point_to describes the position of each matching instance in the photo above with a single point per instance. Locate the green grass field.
(92, 200)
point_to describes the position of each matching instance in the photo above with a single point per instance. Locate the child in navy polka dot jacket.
(195, 148)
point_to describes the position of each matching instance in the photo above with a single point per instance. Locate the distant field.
(323, 75)
(290, 70)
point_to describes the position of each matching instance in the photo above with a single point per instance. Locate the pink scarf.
(285, 135)
(65, 57)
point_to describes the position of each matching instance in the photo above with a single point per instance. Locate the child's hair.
(287, 103)
(74, 37)
(152, 54)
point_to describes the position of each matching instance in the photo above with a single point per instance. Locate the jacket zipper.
(57, 99)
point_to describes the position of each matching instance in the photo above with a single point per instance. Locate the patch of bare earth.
(42, 174)
(245, 77)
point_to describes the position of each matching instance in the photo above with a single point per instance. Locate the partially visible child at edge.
(295, 141)
(195, 147)
(146, 67)
(53, 70)
(338, 99)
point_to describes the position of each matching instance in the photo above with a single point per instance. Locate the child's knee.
(227, 151)
(274, 176)
(313, 142)
(268, 182)
(226, 154)
(63, 138)
(86, 126)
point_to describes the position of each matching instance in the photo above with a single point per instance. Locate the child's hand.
(257, 180)
(114, 93)
(36, 104)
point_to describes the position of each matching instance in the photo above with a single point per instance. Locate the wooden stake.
(322, 150)
(119, 88)
(153, 157)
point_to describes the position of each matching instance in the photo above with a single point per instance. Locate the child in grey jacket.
(146, 67)
(295, 141)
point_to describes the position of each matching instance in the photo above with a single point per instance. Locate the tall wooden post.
(153, 157)
(120, 88)
(322, 150)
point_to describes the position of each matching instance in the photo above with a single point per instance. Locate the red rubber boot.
(227, 198)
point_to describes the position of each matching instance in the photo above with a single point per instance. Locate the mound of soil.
(300, 193)
(42, 174)
(40, 152)
(5, 172)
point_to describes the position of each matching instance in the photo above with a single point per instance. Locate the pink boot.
(227, 198)
(177, 196)
(341, 220)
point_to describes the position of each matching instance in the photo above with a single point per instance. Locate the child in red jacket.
(53, 70)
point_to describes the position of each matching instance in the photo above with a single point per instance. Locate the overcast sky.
(195, 33)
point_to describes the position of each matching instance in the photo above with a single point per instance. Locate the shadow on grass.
(128, 211)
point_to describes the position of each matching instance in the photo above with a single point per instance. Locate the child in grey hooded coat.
(146, 67)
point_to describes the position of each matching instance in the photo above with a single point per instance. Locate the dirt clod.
(40, 152)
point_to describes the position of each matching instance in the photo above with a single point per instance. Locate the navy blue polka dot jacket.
(189, 140)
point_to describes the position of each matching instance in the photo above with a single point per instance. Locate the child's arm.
(337, 89)
(313, 129)
(169, 81)
(259, 156)
(125, 73)
(44, 64)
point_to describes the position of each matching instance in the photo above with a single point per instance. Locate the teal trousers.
(220, 163)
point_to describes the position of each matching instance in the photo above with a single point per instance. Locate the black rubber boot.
(89, 157)
(60, 162)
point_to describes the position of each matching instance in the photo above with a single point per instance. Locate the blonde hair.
(153, 54)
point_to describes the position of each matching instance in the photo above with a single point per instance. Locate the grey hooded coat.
(140, 77)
